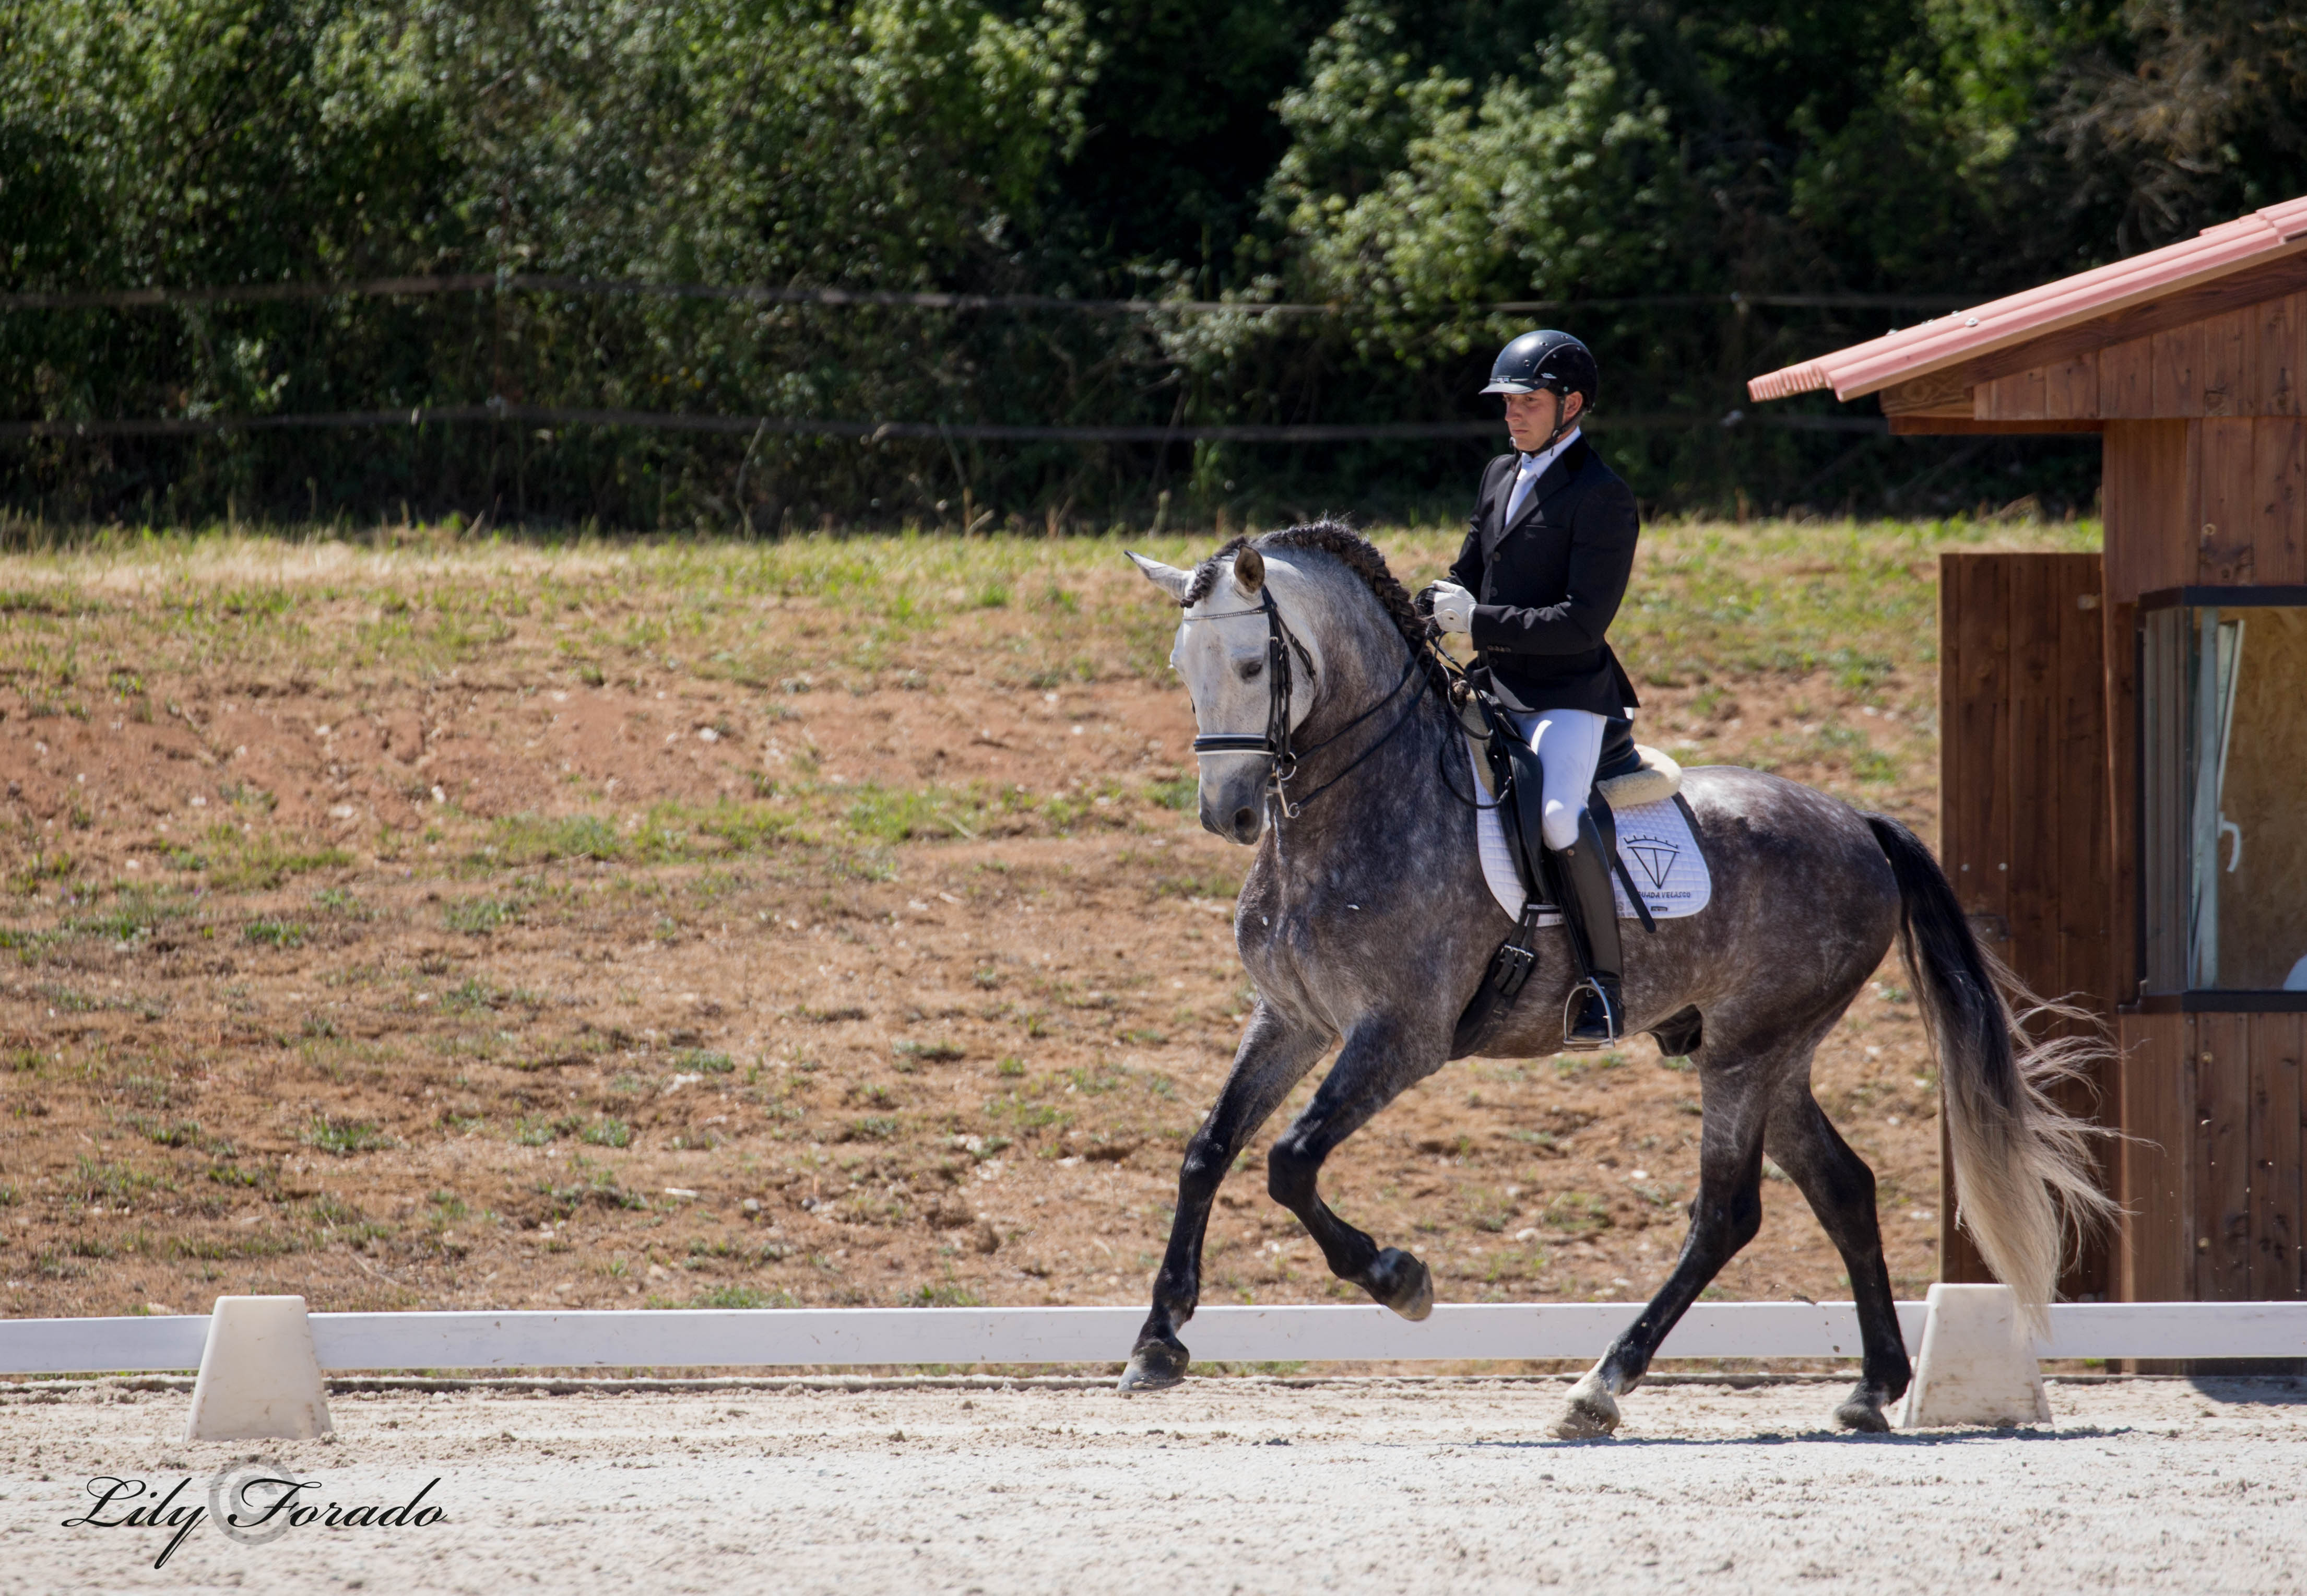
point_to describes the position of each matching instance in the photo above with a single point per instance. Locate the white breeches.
(1569, 744)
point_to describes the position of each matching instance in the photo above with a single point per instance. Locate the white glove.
(1453, 607)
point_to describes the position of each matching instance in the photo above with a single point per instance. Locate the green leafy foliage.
(1409, 161)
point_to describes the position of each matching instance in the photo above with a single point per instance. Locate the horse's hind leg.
(1840, 1190)
(1373, 1068)
(1723, 1218)
(1273, 1057)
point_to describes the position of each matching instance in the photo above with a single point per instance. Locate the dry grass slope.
(823, 922)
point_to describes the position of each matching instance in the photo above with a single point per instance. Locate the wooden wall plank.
(2126, 379)
(2080, 913)
(2191, 505)
(2019, 397)
(2271, 358)
(2062, 391)
(2279, 471)
(2226, 538)
(2149, 543)
(2084, 916)
(2028, 777)
(2119, 777)
(2152, 1162)
(2178, 380)
(2275, 351)
(2221, 1156)
(1975, 732)
(2226, 360)
(1973, 809)
(2071, 387)
(2277, 1047)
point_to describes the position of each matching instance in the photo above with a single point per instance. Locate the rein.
(1277, 744)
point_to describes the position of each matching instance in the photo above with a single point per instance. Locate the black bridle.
(1277, 744)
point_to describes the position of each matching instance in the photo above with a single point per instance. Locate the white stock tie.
(1532, 468)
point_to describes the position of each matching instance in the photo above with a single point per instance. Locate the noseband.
(1276, 743)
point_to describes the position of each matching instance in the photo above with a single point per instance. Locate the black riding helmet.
(1546, 359)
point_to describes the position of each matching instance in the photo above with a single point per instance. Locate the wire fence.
(500, 411)
(457, 385)
(545, 415)
(761, 294)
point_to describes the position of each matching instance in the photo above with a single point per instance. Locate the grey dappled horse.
(1366, 924)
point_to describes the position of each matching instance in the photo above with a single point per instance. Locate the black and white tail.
(2022, 1164)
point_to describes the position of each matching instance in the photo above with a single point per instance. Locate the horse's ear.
(1168, 578)
(1249, 569)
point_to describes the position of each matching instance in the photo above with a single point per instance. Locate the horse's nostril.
(1245, 822)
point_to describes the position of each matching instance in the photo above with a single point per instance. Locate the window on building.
(2223, 764)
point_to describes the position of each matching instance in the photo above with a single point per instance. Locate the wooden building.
(2123, 768)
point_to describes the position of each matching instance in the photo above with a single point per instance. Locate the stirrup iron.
(1597, 1022)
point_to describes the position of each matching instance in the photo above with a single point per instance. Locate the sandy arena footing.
(1261, 1485)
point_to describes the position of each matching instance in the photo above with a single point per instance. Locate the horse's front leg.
(1724, 1216)
(1275, 1055)
(1377, 1065)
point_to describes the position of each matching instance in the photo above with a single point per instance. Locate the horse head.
(1249, 648)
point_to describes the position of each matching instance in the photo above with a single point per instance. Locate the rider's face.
(1530, 416)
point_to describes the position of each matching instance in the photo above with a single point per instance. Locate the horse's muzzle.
(1242, 826)
(1234, 809)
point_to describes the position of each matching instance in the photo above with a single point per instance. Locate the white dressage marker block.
(1977, 1364)
(259, 1379)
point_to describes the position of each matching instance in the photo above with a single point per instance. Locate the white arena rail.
(949, 1336)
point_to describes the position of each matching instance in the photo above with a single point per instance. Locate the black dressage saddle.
(1515, 786)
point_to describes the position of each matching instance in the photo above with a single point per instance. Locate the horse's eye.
(1251, 669)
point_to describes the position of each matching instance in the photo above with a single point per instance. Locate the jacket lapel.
(1550, 482)
(1500, 486)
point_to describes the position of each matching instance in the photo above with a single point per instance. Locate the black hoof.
(1155, 1366)
(1401, 1283)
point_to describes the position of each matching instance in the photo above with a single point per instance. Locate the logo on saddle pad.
(1656, 855)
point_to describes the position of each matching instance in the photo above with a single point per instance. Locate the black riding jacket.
(1548, 585)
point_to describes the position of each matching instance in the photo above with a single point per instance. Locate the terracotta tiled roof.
(1963, 335)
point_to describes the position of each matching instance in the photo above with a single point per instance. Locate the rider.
(1543, 570)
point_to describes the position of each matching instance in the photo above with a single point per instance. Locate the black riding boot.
(1582, 872)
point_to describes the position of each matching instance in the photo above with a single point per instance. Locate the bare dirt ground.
(1243, 1484)
(821, 925)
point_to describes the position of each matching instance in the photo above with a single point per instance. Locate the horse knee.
(1204, 1169)
(1727, 1225)
(1290, 1168)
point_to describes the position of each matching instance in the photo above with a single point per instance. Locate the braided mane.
(1358, 554)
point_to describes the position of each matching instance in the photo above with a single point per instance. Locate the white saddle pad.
(1654, 840)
